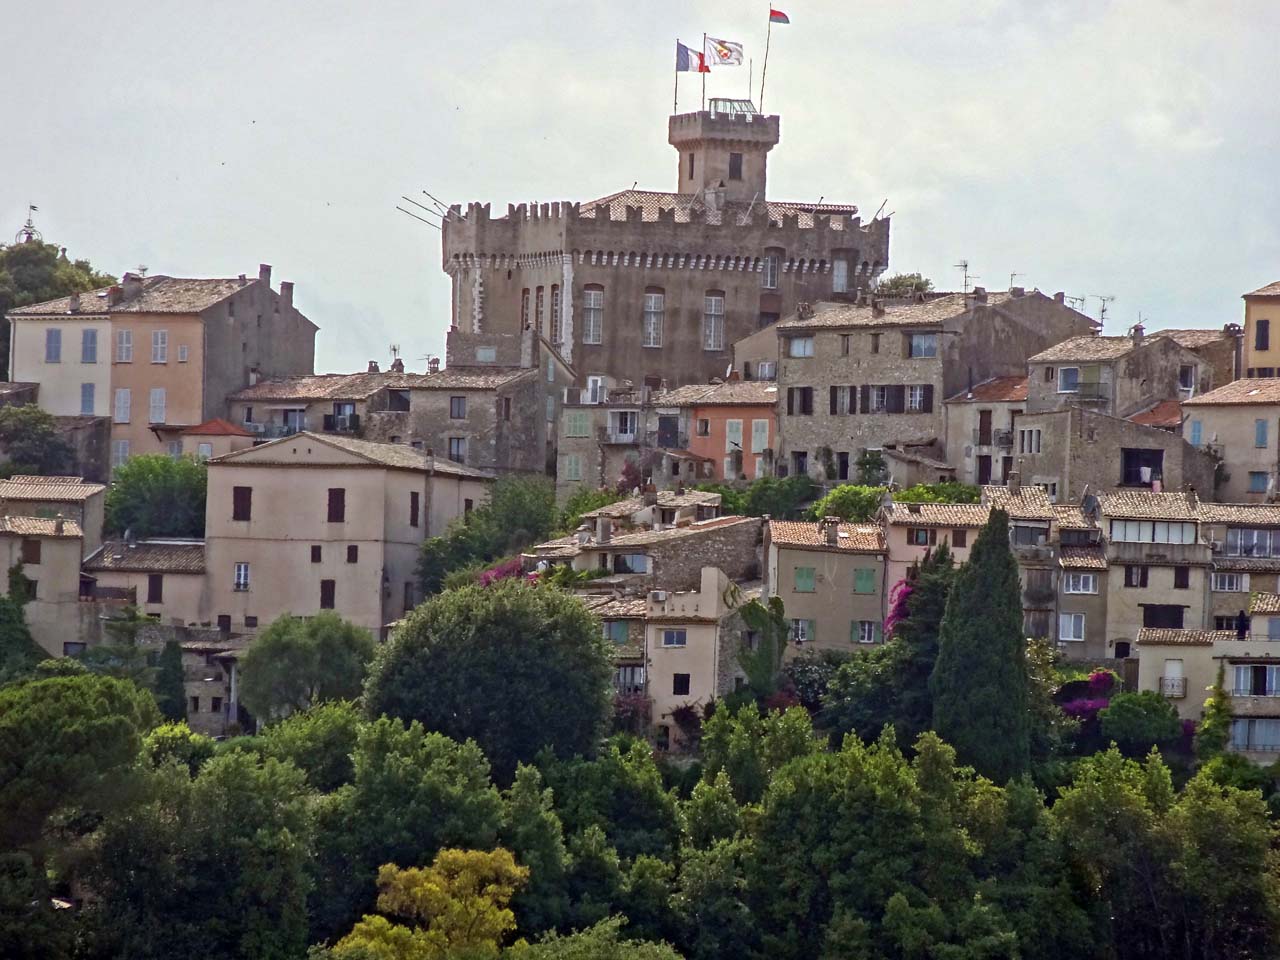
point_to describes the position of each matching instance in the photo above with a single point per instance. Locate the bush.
(155, 495)
(1139, 721)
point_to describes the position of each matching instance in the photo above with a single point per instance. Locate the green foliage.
(1214, 731)
(871, 468)
(849, 501)
(903, 285)
(584, 500)
(295, 663)
(750, 748)
(30, 440)
(711, 902)
(178, 742)
(781, 498)
(533, 832)
(514, 666)
(603, 941)
(1140, 721)
(320, 742)
(949, 491)
(711, 813)
(155, 495)
(19, 653)
(810, 672)
(171, 693)
(979, 682)
(763, 665)
(595, 881)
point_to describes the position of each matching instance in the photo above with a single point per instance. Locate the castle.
(649, 286)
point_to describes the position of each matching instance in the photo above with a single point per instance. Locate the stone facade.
(979, 425)
(1239, 425)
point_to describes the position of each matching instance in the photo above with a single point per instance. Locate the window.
(157, 407)
(1231, 583)
(328, 588)
(1148, 531)
(183, 353)
(799, 462)
(1080, 583)
(524, 308)
(625, 423)
(317, 553)
(539, 307)
(414, 507)
(680, 684)
(337, 505)
(921, 536)
(174, 448)
(864, 580)
(458, 449)
(673, 638)
(486, 354)
(242, 576)
(1262, 335)
(353, 553)
(242, 503)
(155, 588)
(805, 580)
(53, 345)
(1197, 433)
(573, 467)
(878, 399)
(86, 399)
(504, 406)
(769, 279)
(1187, 377)
(842, 400)
(1257, 481)
(457, 408)
(844, 343)
(195, 701)
(1068, 379)
(1071, 626)
(1256, 680)
(800, 347)
(1260, 433)
(577, 424)
(1181, 578)
(124, 346)
(1229, 623)
(215, 703)
(160, 346)
(767, 370)
(713, 321)
(735, 166)
(1029, 440)
(592, 314)
(557, 325)
(31, 550)
(800, 401)
(1260, 735)
(839, 275)
(703, 427)
(73, 648)
(654, 306)
(759, 436)
(803, 631)
(691, 165)
(1136, 575)
(866, 631)
(224, 622)
(630, 563)
(119, 452)
(875, 343)
(915, 397)
(551, 370)
(467, 505)
(617, 631)
(88, 346)
(922, 345)
(121, 413)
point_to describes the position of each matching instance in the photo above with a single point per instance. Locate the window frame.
(713, 321)
(159, 346)
(124, 346)
(336, 505)
(922, 346)
(1073, 389)
(653, 317)
(1073, 619)
(53, 345)
(804, 580)
(1074, 583)
(593, 313)
(241, 578)
(675, 637)
(457, 408)
(803, 344)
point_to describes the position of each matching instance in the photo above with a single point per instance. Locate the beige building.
(49, 552)
(979, 423)
(1261, 309)
(164, 578)
(72, 498)
(158, 354)
(831, 577)
(314, 522)
(912, 529)
(1245, 540)
(1081, 614)
(1239, 425)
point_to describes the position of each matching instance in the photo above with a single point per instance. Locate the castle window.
(713, 320)
(690, 166)
(557, 326)
(735, 166)
(539, 310)
(524, 308)
(593, 314)
(772, 262)
(840, 275)
(654, 307)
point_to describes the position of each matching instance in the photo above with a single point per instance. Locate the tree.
(533, 832)
(871, 468)
(1140, 721)
(30, 440)
(979, 682)
(1214, 731)
(19, 653)
(584, 501)
(320, 742)
(177, 741)
(849, 501)
(711, 813)
(763, 665)
(171, 691)
(751, 748)
(459, 905)
(903, 285)
(602, 941)
(33, 272)
(155, 495)
(296, 663)
(514, 666)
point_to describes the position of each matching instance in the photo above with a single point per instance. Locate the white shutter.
(157, 404)
(123, 400)
(124, 346)
(1244, 583)
(732, 435)
(160, 346)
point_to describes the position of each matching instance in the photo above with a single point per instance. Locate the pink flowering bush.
(1086, 708)
(502, 571)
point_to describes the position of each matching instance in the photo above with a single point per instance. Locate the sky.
(1127, 149)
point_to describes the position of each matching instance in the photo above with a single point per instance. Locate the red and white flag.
(723, 53)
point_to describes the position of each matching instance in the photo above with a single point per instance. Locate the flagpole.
(675, 94)
(704, 74)
(765, 68)
(751, 77)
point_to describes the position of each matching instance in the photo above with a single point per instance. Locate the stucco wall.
(60, 382)
(833, 604)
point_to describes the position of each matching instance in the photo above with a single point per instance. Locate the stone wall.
(734, 548)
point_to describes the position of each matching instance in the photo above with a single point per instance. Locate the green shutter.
(804, 580)
(864, 580)
(854, 632)
(813, 631)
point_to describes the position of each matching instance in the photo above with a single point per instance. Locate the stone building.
(978, 423)
(1239, 425)
(1082, 585)
(72, 498)
(1261, 309)
(648, 285)
(1221, 352)
(867, 376)
(165, 578)
(159, 354)
(1245, 541)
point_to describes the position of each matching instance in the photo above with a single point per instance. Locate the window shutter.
(791, 401)
(864, 401)
(834, 397)
(933, 536)
(1244, 582)
(813, 631)
(877, 631)
(928, 398)
(853, 398)
(897, 398)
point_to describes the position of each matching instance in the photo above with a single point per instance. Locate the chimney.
(264, 273)
(58, 525)
(286, 294)
(397, 365)
(113, 295)
(243, 279)
(734, 376)
(980, 294)
(74, 303)
(830, 527)
(1014, 482)
(1017, 291)
(132, 286)
(1060, 297)
(1138, 332)
(433, 365)
(650, 496)
(877, 308)
(373, 366)
(604, 529)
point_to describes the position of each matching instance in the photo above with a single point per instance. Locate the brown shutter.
(337, 505)
(928, 398)
(834, 393)
(897, 398)
(791, 401)
(864, 401)
(853, 398)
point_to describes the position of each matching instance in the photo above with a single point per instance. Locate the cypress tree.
(171, 691)
(979, 682)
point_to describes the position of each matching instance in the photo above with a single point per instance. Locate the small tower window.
(690, 166)
(735, 166)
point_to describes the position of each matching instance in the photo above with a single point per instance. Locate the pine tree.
(979, 682)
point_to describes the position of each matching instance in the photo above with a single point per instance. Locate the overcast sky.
(1127, 149)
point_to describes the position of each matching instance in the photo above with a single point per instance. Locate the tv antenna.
(395, 351)
(142, 269)
(1102, 305)
(964, 265)
(1077, 303)
(1013, 277)
(29, 233)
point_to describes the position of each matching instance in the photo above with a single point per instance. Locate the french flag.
(689, 60)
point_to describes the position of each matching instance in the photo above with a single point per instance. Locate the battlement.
(756, 128)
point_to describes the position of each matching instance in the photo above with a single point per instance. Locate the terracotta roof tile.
(995, 390)
(1264, 603)
(938, 514)
(644, 538)
(919, 459)
(729, 393)
(1145, 505)
(615, 608)
(1246, 564)
(160, 294)
(149, 556)
(53, 489)
(1071, 517)
(1030, 503)
(1270, 290)
(932, 312)
(397, 455)
(850, 537)
(1167, 414)
(1242, 514)
(687, 207)
(39, 527)
(1251, 391)
(1163, 636)
(669, 499)
(217, 427)
(1082, 558)
(1191, 338)
(329, 386)
(1085, 349)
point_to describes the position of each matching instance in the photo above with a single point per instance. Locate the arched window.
(713, 320)
(654, 308)
(593, 313)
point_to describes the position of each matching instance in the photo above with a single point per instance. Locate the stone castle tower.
(651, 286)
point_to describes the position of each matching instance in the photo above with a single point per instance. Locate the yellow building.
(1261, 320)
(49, 552)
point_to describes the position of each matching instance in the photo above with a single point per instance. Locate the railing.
(1093, 392)
(272, 430)
(1004, 438)
(1139, 553)
(341, 423)
(1173, 687)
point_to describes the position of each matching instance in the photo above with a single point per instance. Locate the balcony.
(342, 423)
(1092, 392)
(993, 438)
(1175, 688)
(1160, 553)
(611, 435)
(1247, 704)
(272, 431)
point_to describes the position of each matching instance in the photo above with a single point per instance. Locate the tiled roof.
(1244, 514)
(217, 427)
(910, 313)
(468, 379)
(396, 455)
(670, 499)
(615, 608)
(644, 538)
(1246, 564)
(1264, 603)
(938, 514)
(1164, 637)
(149, 556)
(39, 527)
(995, 390)
(688, 207)
(1166, 414)
(1191, 339)
(730, 393)
(1259, 390)
(159, 294)
(1082, 558)
(1029, 503)
(329, 386)
(1145, 505)
(53, 489)
(562, 548)
(1270, 290)
(1071, 517)
(917, 458)
(850, 537)
(1085, 349)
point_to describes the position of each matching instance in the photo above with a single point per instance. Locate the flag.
(777, 16)
(689, 60)
(723, 53)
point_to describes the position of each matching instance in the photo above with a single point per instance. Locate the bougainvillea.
(1101, 683)
(508, 568)
(897, 606)
(1085, 708)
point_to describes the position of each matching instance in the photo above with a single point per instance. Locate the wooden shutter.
(864, 401)
(241, 503)
(834, 393)
(791, 401)
(853, 398)
(337, 504)
(897, 398)
(928, 398)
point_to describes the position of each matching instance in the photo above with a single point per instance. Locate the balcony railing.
(341, 423)
(1173, 687)
(1140, 553)
(270, 431)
